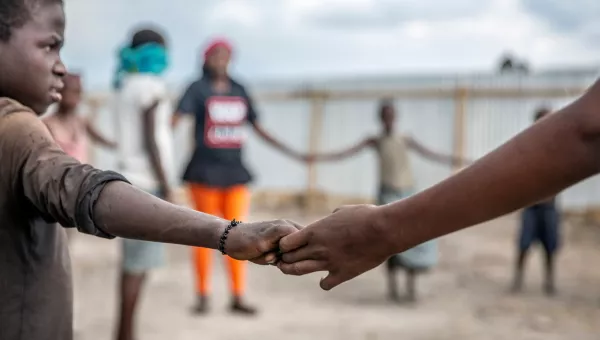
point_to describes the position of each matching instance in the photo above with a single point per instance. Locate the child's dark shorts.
(540, 223)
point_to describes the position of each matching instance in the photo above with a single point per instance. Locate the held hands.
(346, 243)
(258, 242)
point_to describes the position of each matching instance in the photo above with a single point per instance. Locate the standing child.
(70, 130)
(41, 185)
(396, 182)
(540, 222)
(217, 176)
(145, 154)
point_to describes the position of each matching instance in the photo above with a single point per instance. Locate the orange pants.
(227, 203)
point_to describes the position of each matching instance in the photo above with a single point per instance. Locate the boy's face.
(71, 93)
(30, 66)
(218, 60)
(388, 116)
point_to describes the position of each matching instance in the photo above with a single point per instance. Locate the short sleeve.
(59, 187)
(252, 114)
(188, 104)
(148, 92)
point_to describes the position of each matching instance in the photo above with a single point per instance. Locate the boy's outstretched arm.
(548, 157)
(339, 155)
(432, 155)
(103, 204)
(97, 137)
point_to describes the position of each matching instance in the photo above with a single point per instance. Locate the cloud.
(364, 14)
(316, 38)
(565, 15)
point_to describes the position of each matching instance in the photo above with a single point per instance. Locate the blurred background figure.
(69, 128)
(217, 177)
(539, 224)
(143, 109)
(396, 182)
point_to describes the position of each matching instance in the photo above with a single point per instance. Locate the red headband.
(217, 43)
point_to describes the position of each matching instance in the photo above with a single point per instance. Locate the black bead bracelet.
(231, 225)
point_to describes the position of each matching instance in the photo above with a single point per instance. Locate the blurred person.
(145, 154)
(68, 128)
(396, 182)
(539, 223)
(551, 155)
(216, 175)
(41, 185)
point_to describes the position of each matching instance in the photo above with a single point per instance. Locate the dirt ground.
(465, 297)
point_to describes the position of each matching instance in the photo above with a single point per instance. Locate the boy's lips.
(55, 95)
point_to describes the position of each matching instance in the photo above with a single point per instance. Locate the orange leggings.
(227, 203)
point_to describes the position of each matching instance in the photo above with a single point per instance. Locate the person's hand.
(308, 158)
(346, 243)
(258, 241)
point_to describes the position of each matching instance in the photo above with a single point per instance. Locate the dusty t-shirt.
(220, 135)
(39, 186)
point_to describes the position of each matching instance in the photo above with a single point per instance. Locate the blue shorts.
(540, 223)
(141, 256)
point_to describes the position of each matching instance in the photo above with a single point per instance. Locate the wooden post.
(460, 100)
(316, 127)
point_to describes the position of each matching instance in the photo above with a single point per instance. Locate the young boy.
(41, 185)
(540, 222)
(395, 183)
(145, 154)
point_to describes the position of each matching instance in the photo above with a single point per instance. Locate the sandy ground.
(465, 297)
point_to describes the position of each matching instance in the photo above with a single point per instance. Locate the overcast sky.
(285, 39)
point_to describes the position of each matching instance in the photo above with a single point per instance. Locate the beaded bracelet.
(231, 225)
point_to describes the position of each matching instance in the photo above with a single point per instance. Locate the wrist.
(383, 225)
(218, 231)
(400, 225)
(224, 238)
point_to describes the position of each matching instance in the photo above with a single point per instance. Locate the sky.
(307, 39)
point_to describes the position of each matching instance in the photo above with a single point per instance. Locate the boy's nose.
(60, 69)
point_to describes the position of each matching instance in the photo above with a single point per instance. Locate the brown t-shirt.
(39, 186)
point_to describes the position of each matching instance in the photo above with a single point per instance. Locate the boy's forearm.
(125, 211)
(547, 158)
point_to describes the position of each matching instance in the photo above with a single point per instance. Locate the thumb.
(294, 241)
(343, 207)
(331, 281)
(274, 235)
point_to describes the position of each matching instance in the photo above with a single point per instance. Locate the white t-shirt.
(138, 92)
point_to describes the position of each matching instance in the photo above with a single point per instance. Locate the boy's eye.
(55, 45)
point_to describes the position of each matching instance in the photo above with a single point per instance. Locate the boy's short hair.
(540, 113)
(16, 13)
(147, 35)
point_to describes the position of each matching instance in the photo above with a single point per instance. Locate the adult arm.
(262, 133)
(548, 157)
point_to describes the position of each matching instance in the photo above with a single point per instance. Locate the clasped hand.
(346, 244)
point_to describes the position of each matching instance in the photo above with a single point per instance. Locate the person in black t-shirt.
(216, 174)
